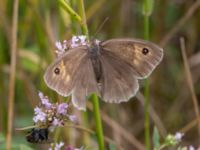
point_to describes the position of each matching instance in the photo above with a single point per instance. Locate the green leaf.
(156, 139)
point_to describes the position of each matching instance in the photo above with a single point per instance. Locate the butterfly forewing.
(59, 76)
(118, 82)
(143, 56)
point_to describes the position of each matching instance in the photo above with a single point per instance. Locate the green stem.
(95, 100)
(68, 8)
(97, 115)
(81, 9)
(146, 27)
(146, 91)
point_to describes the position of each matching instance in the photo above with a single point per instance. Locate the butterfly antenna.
(101, 26)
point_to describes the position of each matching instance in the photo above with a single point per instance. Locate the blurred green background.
(42, 23)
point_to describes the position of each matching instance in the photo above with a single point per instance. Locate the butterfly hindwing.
(118, 83)
(85, 84)
(143, 56)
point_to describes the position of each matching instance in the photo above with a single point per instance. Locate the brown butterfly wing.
(85, 84)
(143, 56)
(76, 76)
(118, 83)
(67, 66)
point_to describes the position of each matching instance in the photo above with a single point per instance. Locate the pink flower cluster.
(76, 41)
(51, 115)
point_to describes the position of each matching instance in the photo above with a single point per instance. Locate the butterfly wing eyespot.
(145, 51)
(57, 71)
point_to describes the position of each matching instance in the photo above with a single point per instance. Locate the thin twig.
(190, 125)
(189, 81)
(94, 9)
(107, 139)
(154, 116)
(122, 131)
(12, 75)
(193, 8)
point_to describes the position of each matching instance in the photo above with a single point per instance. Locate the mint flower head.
(178, 136)
(78, 41)
(58, 146)
(61, 145)
(39, 115)
(172, 140)
(44, 100)
(61, 47)
(48, 114)
(74, 42)
(62, 108)
(191, 147)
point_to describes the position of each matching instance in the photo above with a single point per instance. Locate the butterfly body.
(115, 65)
(94, 53)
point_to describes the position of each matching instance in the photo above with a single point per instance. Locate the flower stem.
(81, 9)
(95, 100)
(147, 10)
(68, 8)
(99, 129)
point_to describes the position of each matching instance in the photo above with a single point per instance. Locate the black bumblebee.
(37, 135)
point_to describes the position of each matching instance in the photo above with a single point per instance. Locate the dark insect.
(37, 135)
(110, 69)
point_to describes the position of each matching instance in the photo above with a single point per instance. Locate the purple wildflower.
(62, 108)
(78, 41)
(74, 42)
(39, 115)
(58, 146)
(191, 147)
(50, 114)
(61, 47)
(69, 147)
(57, 122)
(44, 100)
(72, 118)
(178, 136)
(82, 40)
